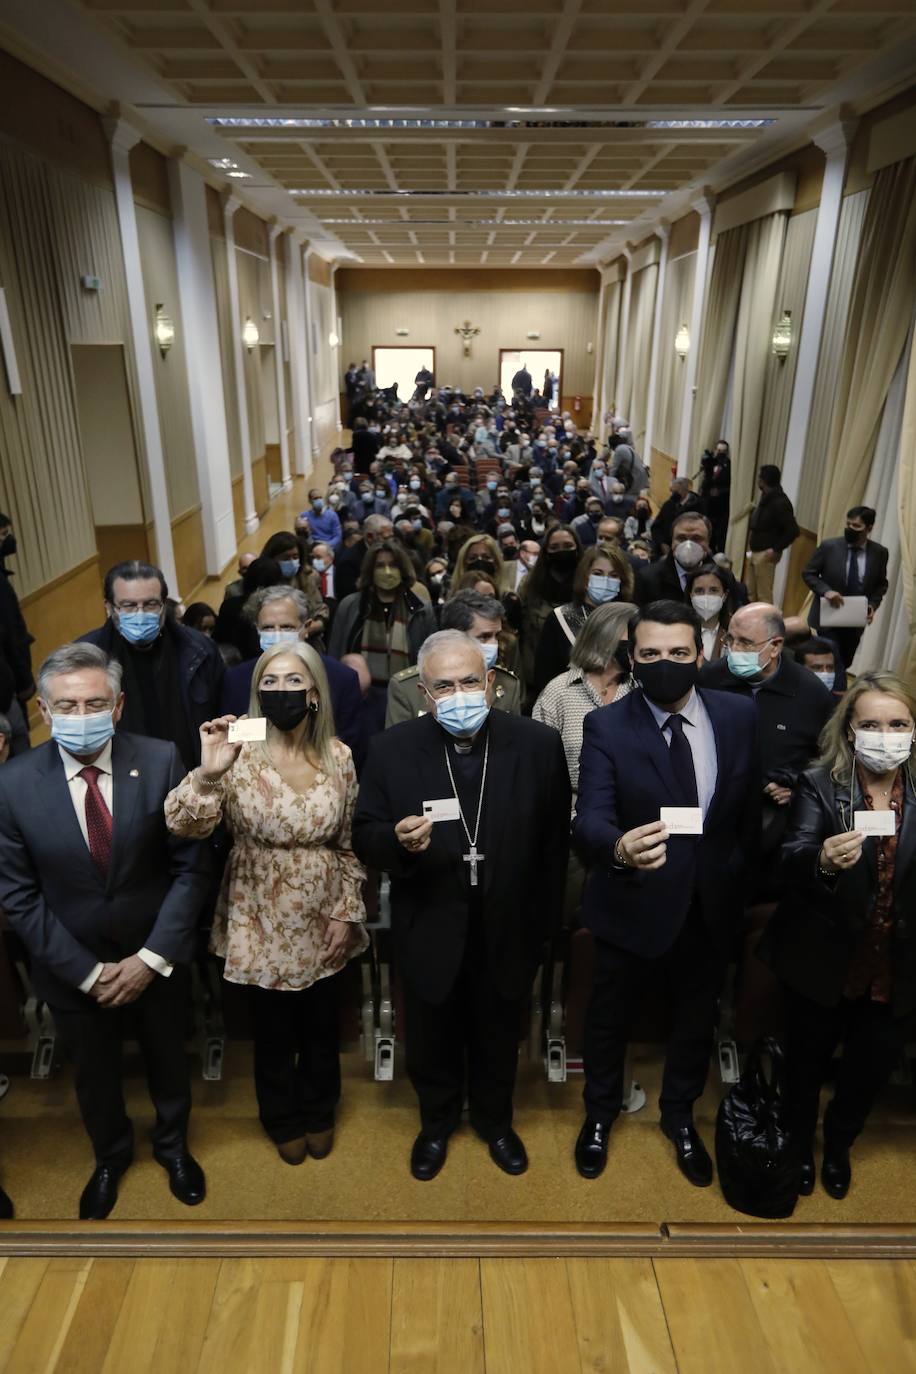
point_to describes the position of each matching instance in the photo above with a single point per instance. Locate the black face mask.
(8, 547)
(285, 709)
(482, 564)
(666, 681)
(563, 562)
(509, 552)
(850, 535)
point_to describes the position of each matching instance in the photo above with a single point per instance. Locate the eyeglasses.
(448, 689)
(731, 642)
(129, 607)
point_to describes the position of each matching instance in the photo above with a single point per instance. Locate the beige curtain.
(780, 376)
(907, 495)
(639, 346)
(611, 331)
(672, 369)
(753, 332)
(876, 330)
(718, 336)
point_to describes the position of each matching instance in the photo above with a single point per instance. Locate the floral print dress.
(291, 868)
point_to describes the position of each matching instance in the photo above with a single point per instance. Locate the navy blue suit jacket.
(625, 777)
(346, 700)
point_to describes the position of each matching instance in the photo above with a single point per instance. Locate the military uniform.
(405, 701)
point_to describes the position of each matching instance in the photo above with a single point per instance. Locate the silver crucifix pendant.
(473, 859)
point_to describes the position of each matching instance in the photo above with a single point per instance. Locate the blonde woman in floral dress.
(290, 913)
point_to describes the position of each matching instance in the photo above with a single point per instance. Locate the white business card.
(244, 731)
(682, 820)
(445, 809)
(875, 822)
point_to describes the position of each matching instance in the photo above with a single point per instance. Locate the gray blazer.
(67, 915)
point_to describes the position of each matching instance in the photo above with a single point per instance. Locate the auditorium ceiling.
(479, 132)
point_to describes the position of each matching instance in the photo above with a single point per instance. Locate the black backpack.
(755, 1155)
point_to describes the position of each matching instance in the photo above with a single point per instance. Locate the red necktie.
(98, 818)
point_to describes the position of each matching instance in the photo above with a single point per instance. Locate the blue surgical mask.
(289, 566)
(462, 713)
(140, 627)
(601, 589)
(318, 503)
(504, 512)
(743, 664)
(319, 565)
(268, 638)
(827, 679)
(491, 486)
(82, 735)
(414, 484)
(490, 654)
(569, 488)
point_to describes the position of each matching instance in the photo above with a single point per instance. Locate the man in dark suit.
(172, 675)
(283, 613)
(474, 897)
(660, 904)
(853, 565)
(666, 578)
(105, 901)
(792, 709)
(682, 501)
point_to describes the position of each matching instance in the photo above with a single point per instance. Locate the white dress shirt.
(702, 740)
(78, 789)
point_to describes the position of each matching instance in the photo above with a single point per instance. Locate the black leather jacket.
(816, 928)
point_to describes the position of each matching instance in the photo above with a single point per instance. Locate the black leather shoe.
(100, 1193)
(428, 1156)
(836, 1171)
(692, 1155)
(509, 1153)
(806, 1177)
(6, 1206)
(186, 1179)
(591, 1148)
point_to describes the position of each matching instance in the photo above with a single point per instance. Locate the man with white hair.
(105, 900)
(466, 809)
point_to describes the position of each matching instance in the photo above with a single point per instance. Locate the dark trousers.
(693, 970)
(468, 1042)
(872, 1039)
(846, 640)
(93, 1039)
(296, 1058)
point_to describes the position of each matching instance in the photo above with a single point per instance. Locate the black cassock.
(467, 954)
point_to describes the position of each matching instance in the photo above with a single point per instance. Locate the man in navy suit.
(105, 900)
(662, 905)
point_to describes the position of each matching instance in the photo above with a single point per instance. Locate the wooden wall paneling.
(320, 271)
(188, 543)
(272, 458)
(64, 609)
(238, 507)
(260, 483)
(796, 592)
(115, 543)
(663, 468)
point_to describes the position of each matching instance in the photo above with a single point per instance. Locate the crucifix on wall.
(467, 332)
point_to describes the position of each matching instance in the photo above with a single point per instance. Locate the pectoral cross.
(473, 859)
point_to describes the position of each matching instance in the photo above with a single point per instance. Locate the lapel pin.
(135, 772)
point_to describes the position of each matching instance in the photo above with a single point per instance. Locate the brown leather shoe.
(320, 1143)
(293, 1151)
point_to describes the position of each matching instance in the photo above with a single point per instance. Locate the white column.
(298, 355)
(276, 231)
(704, 208)
(597, 388)
(663, 232)
(200, 324)
(122, 138)
(834, 142)
(339, 349)
(230, 205)
(310, 348)
(620, 385)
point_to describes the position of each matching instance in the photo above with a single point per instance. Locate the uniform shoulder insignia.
(507, 672)
(405, 673)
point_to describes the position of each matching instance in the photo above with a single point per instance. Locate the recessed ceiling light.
(636, 193)
(239, 176)
(708, 123)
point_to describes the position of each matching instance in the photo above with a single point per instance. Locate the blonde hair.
(318, 738)
(837, 753)
(501, 574)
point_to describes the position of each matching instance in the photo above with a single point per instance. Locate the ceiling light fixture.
(634, 193)
(164, 330)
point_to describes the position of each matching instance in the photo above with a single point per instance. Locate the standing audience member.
(472, 900)
(715, 490)
(105, 902)
(682, 501)
(603, 574)
(841, 940)
(820, 658)
(714, 596)
(660, 904)
(290, 913)
(173, 676)
(771, 530)
(853, 565)
(14, 635)
(666, 578)
(200, 617)
(549, 584)
(323, 521)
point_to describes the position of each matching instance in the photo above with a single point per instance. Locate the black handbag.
(758, 1166)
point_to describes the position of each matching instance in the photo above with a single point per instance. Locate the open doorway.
(399, 366)
(544, 364)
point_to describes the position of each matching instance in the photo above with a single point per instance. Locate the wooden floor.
(490, 1316)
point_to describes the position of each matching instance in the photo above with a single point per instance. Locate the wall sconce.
(250, 334)
(682, 342)
(164, 330)
(782, 336)
(334, 338)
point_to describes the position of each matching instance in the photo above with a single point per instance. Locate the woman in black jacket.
(843, 940)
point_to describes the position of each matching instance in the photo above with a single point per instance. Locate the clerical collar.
(463, 747)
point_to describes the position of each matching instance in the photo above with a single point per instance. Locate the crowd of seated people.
(482, 605)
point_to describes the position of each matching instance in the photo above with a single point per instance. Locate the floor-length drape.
(718, 336)
(907, 510)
